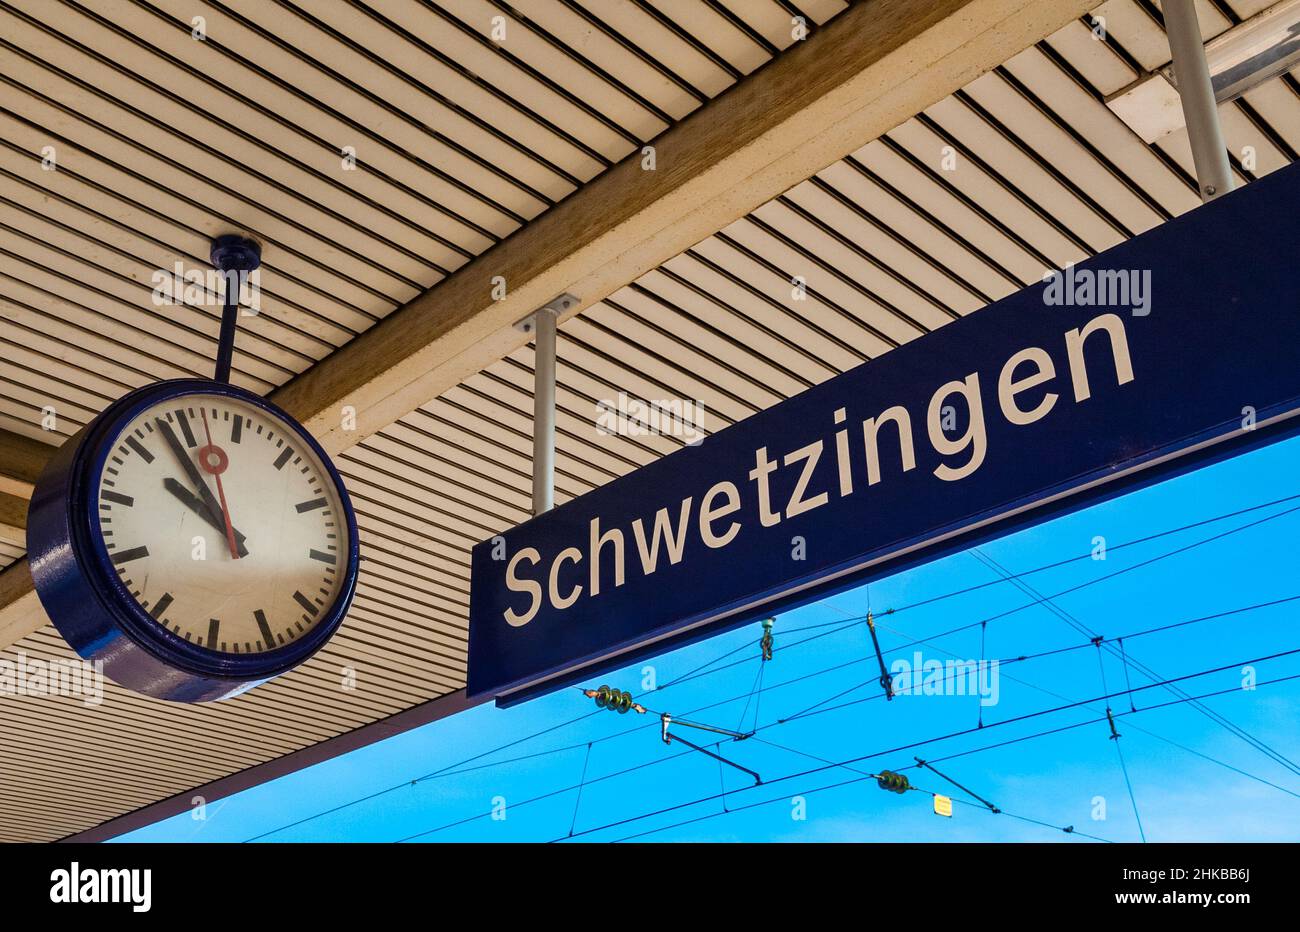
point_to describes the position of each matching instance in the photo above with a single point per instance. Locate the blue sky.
(1193, 778)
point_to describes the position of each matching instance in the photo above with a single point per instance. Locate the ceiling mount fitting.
(556, 305)
(234, 253)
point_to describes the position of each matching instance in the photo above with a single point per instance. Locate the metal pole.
(234, 256)
(718, 757)
(229, 320)
(1200, 113)
(544, 412)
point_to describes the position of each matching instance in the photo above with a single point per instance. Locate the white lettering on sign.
(721, 511)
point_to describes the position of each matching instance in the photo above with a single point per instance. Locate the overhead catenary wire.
(905, 747)
(837, 626)
(837, 785)
(1021, 658)
(703, 670)
(1115, 736)
(460, 767)
(841, 764)
(1216, 717)
(1152, 734)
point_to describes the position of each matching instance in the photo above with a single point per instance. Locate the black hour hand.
(199, 508)
(190, 467)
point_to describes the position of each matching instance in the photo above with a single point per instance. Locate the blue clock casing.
(92, 608)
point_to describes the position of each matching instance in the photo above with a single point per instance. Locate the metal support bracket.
(668, 738)
(541, 324)
(886, 678)
(1196, 91)
(924, 764)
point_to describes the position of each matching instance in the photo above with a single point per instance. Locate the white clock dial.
(222, 524)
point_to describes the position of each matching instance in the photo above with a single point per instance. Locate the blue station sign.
(1168, 351)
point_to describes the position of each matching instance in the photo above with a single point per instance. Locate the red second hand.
(216, 470)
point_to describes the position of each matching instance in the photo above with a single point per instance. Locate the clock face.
(222, 524)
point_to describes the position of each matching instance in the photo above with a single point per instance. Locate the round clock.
(195, 539)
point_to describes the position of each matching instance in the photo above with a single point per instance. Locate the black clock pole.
(232, 255)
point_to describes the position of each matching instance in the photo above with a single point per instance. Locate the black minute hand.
(188, 499)
(191, 468)
(212, 509)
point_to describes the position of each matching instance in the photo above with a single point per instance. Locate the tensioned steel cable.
(460, 768)
(1129, 689)
(1114, 734)
(845, 763)
(837, 626)
(1219, 719)
(767, 802)
(1014, 719)
(1006, 661)
(840, 626)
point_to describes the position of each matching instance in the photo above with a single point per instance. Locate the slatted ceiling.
(268, 86)
(694, 63)
(674, 285)
(1102, 188)
(1012, 226)
(124, 205)
(657, 85)
(184, 162)
(374, 54)
(402, 128)
(1107, 73)
(119, 297)
(1240, 130)
(298, 158)
(741, 47)
(1274, 102)
(665, 331)
(811, 333)
(437, 489)
(836, 222)
(282, 326)
(1179, 151)
(99, 769)
(489, 396)
(402, 445)
(132, 193)
(589, 108)
(1242, 123)
(1209, 14)
(115, 226)
(891, 245)
(1245, 9)
(383, 504)
(279, 328)
(755, 284)
(963, 128)
(576, 402)
(1162, 193)
(969, 277)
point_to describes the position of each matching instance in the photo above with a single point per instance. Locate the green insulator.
(894, 782)
(602, 697)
